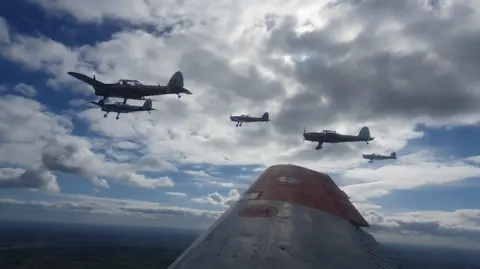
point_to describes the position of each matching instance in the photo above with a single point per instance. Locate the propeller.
(304, 132)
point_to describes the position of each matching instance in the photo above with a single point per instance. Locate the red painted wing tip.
(302, 186)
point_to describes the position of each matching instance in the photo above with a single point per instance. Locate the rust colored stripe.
(302, 186)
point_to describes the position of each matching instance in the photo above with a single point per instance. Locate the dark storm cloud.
(361, 80)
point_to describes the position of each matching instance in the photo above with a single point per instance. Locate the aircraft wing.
(86, 79)
(291, 217)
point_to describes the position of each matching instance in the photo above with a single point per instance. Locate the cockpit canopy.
(129, 82)
(329, 132)
(244, 115)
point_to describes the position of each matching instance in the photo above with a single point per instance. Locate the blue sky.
(186, 160)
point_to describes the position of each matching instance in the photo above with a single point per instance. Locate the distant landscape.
(59, 245)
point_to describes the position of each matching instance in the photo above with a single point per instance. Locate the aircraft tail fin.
(147, 104)
(176, 80)
(393, 155)
(364, 133)
(265, 117)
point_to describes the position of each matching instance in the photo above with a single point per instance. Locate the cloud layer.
(391, 65)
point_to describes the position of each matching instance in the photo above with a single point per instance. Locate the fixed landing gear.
(118, 116)
(179, 96)
(239, 124)
(319, 146)
(366, 142)
(371, 161)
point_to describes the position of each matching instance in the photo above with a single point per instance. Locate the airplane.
(290, 217)
(120, 107)
(374, 156)
(133, 89)
(246, 118)
(328, 136)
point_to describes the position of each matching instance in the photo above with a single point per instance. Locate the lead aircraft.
(120, 107)
(291, 217)
(133, 89)
(328, 136)
(374, 156)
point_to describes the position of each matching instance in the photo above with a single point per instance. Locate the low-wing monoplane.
(133, 89)
(246, 118)
(374, 156)
(328, 136)
(120, 107)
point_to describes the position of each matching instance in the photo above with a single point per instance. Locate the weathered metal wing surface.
(291, 217)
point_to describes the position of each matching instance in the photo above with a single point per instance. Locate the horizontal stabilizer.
(148, 104)
(95, 103)
(86, 79)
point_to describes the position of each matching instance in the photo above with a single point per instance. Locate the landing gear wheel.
(179, 96)
(318, 147)
(117, 117)
(104, 115)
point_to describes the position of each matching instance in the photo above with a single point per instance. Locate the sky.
(407, 69)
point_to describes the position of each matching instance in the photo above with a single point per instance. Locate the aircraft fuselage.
(132, 89)
(334, 138)
(137, 92)
(245, 118)
(377, 157)
(123, 108)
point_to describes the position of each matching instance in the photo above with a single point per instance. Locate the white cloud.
(28, 179)
(34, 137)
(365, 183)
(74, 155)
(25, 89)
(458, 228)
(108, 211)
(176, 194)
(202, 178)
(218, 199)
(25, 125)
(4, 33)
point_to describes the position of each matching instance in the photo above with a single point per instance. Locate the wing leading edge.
(291, 217)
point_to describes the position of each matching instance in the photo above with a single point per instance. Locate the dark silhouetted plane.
(246, 118)
(327, 136)
(374, 156)
(133, 89)
(120, 107)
